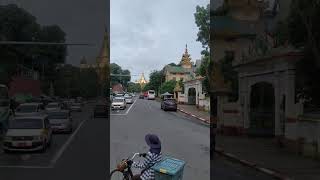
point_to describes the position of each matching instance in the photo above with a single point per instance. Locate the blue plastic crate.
(169, 169)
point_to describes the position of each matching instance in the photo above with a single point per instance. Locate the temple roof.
(104, 52)
(177, 69)
(186, 57)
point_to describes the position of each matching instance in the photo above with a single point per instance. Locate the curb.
(197, 117)
(267, 171)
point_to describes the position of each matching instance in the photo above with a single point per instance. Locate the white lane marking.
(130, 107)
(126, 113)
(65, 145)
(28, 167)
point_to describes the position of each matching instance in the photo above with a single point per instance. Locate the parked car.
(60, 121)
(169, 104)
(29, 109)
(30, 133)
(151, 95)
(118, 103)
(100, 110)
(141, 96)
(54, 106)
(76, 107)
(129, 99)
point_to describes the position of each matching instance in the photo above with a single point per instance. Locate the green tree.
(134, 87)
(118, 73)
(168, 86)
(202, 20)
(303, 31)
(156, 78)
(16, 24)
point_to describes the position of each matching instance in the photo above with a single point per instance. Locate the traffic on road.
(33, 124)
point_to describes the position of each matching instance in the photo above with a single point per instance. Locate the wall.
(204, 103)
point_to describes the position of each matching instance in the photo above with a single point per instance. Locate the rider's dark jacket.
(150, 160)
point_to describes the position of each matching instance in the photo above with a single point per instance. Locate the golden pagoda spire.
(186, 59)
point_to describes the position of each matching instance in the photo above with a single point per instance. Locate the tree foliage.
(117, 71)
(168, 86)
(202, 20)
(134, 87)
(303, 31)
(16, 24)
(70, 81)
(156, 78)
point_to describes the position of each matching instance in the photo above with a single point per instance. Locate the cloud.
(146, 35)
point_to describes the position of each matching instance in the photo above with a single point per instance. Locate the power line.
(43, 43)
(124, 75)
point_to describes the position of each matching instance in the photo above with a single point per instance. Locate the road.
(182, 137)
(84, 154)
(81, 155)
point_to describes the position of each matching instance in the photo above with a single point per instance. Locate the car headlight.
(38, 138)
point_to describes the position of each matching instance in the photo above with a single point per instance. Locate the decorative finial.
(186, 48)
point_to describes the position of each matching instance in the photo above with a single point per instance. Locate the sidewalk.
(263, 152)
(196, 113)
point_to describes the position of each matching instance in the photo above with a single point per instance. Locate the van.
(151, 94)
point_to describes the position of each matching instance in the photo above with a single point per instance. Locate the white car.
(118, 103)
(53, 107)
(29, 109)
(30, 133)
(76, 107)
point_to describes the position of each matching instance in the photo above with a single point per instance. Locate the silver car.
(54, 106)
(129, 99)
(61, 121)
(118, 103)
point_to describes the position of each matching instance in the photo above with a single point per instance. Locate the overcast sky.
(146, 35)
(84, 21)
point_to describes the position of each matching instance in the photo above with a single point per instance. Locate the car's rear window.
(26, 124)
(117, 100)
(27, 108)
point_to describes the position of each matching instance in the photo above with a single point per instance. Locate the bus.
(151, 94)
(4, 108)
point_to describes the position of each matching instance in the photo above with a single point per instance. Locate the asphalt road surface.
(82, 155)
(182, 137)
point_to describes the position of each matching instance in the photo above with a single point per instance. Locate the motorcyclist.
(153, 156)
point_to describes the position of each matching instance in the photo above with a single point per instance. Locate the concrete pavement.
(264, 153)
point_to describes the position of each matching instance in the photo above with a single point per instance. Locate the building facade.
(101, 64)
(184, 71)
